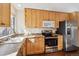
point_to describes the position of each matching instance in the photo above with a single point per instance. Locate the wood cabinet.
(77, 18)
(60, 16)
(63, 16)
(31, 47)
(51, 16)
(5, 14)
(28, 19)
(34, 17)
(73, 16)
(37, 47)
(40, 19)
(0, 14)
(45, 15)
(60, 42)
(57, 19)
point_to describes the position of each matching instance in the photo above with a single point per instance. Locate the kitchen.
(31, 29)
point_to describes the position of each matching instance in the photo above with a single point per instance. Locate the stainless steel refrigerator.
(69, 31)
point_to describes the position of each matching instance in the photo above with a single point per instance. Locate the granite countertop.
(1, 37)
(16, 40)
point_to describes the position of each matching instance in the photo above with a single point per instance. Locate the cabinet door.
(52, 16)
(33, 18)
(35, 47)
(73, 16)
(6, 14)
(60, 42)
(39, 45)
(45, 14)
(28, 16)
(30, 47)
(39, 18)
(57, 19)
(77, 17)
(0, 14)
(60, 17)
(63, 16)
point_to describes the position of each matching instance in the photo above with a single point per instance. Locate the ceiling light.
(19, 5)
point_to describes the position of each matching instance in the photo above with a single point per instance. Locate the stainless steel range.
(51, 42)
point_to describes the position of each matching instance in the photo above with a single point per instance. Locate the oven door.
(51, 42)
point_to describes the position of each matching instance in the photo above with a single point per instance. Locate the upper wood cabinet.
(0, 14)
(51, 16)
(39, 19)
(73, 16)
(77, 18)
(56, 20)
(34, 18)
(60, 16)
(45, 15)
(5, 14)
(28, 18)
(63, 16)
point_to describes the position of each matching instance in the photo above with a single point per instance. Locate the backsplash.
(5, 30)
(1, 29)
(37, 30)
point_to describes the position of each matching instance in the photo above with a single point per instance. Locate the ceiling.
(63, 7)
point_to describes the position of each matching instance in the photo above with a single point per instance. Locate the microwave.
(48, 24)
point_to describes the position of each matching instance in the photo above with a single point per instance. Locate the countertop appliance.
(48, 24)
(69, 31)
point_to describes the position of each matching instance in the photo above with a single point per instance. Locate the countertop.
(17, 38)
(1, 37)
(16, 41)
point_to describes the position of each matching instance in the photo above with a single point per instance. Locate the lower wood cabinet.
(36, 45)
(32, 46)
(60, 42)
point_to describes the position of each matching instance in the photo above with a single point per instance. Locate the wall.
(19, 17)
(20, 21)
(13, 14)
(1, 29)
